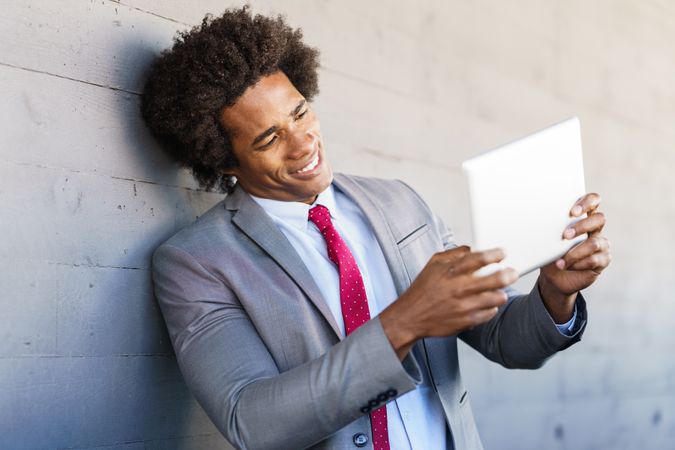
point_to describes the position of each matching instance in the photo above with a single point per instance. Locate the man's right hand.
(447, 298)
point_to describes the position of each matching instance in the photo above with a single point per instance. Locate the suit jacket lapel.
(377, 218)
(252, 220)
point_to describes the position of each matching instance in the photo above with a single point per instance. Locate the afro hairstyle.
(208, 68)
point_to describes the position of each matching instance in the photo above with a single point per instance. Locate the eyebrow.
(274, 128)
(298, 108)
(264, 134)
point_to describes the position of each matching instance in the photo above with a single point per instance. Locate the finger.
(474, 285)
(585, 204)
(593, 224)
(487, 299)
(481, 316)
(597, 262)
(471, 262)
(452, 255)
(597, 231)
(583, 250)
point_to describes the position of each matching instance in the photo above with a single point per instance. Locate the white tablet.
(521, 195)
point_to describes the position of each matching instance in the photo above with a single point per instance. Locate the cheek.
(316, 125)
(313, 122)
(270, 166)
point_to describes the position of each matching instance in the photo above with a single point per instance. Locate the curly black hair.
(208, 68)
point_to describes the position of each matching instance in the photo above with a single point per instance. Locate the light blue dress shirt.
(415, 419)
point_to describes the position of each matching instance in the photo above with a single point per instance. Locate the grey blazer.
(260, 349)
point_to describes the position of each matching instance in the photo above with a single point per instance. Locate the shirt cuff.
(566, 328)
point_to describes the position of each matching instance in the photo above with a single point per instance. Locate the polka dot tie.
(353, 300)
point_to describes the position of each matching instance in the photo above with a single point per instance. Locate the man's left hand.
(560, 280)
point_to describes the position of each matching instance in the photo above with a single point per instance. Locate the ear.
(233, 172)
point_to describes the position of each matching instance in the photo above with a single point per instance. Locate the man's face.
(277, 140)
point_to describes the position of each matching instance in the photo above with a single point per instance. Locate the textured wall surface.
(409, 90)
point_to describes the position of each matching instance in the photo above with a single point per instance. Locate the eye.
(302, 114)
(270, 142)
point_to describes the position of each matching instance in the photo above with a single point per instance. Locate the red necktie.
(353, 300)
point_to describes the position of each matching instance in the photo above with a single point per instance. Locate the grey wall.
(409, 89)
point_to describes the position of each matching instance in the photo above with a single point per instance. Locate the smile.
(312, 164)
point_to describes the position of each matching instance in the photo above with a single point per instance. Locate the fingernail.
(560, 264)
(569, 233)
(576, 210)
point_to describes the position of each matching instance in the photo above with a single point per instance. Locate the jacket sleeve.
(231, 373)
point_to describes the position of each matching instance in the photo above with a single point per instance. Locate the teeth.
(311, 165)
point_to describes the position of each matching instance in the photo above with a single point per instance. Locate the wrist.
(560, 305)
(399, 332)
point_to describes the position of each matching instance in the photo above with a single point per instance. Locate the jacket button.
(360, 440)
(392, 393)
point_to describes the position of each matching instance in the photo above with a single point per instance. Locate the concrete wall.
(409, 89)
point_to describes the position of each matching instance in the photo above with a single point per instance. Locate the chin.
(317, 189)
(318, 186)
(325, 181)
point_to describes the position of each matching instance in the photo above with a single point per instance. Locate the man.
(313, 310)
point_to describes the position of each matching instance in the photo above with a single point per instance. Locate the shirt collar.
(296, 214)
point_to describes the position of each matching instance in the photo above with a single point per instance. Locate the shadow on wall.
(159, 406)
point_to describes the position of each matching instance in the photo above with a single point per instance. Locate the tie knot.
(320, 216)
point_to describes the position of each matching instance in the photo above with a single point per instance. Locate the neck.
(311, 200)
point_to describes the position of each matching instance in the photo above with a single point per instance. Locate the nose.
(302, 141)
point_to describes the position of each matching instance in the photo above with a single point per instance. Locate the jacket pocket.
(413, 235)
(417, 247)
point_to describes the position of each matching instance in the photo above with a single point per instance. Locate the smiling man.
(286, 161)
(313, 310)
